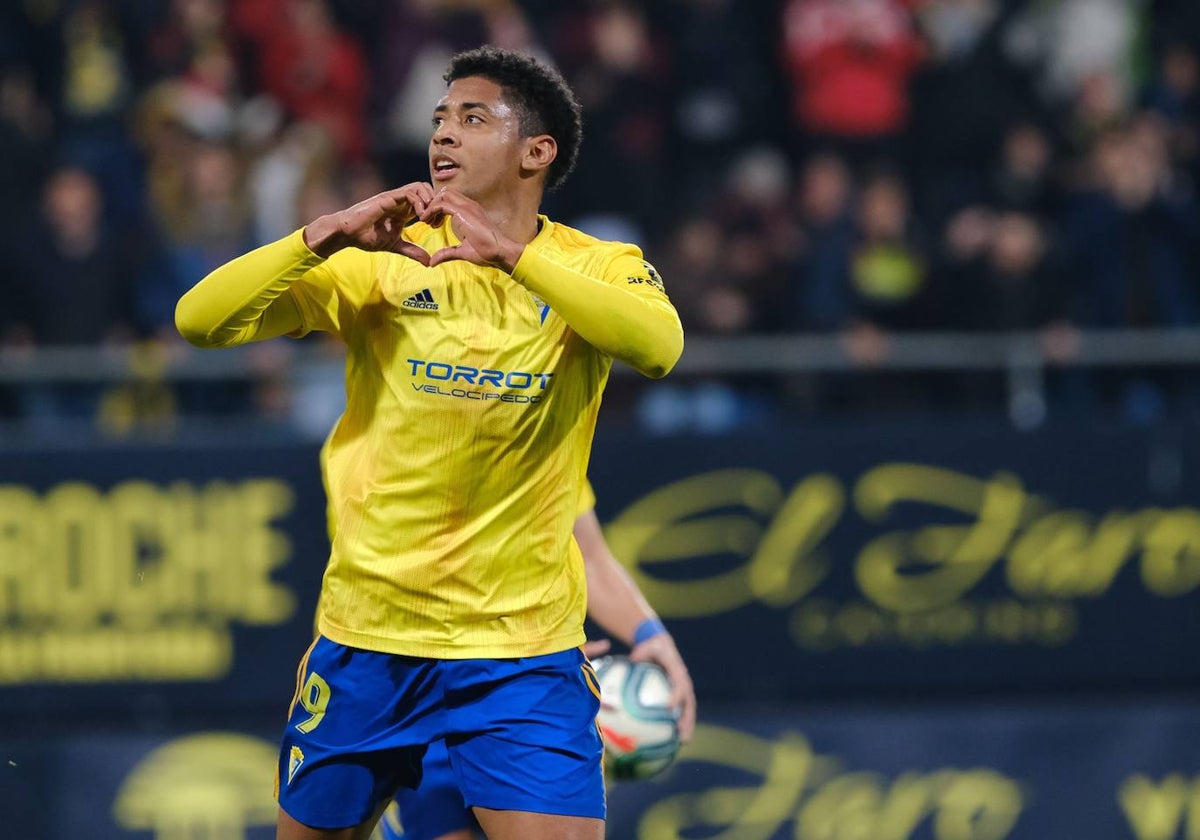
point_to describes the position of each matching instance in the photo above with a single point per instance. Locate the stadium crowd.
(851, 167)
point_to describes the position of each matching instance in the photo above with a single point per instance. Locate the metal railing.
(1022, 357)
(703, 355)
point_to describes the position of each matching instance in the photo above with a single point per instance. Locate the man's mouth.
(443, 167)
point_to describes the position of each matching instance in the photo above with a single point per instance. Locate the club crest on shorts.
(295, 759)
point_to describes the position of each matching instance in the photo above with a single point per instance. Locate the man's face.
(476, 146)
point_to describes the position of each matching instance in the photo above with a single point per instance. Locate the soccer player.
(436, 810)
(480, 335)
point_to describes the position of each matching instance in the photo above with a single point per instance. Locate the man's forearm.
(643, 333)
(614, 601)
(617, 607)
(241, 301)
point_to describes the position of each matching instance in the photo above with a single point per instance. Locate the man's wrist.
(510, 256)
(324, 235)
(648, 629)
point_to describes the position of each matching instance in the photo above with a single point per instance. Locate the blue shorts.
(520, 733)
(434, 809)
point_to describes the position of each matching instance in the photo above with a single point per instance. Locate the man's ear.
(539, 153)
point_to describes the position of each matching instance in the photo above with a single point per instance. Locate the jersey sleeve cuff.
(530, 266)
(300, 249)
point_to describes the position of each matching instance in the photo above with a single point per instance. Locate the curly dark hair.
(544, 101)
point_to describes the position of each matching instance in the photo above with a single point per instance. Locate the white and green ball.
(638, 725)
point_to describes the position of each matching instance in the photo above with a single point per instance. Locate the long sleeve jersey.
(455, 470)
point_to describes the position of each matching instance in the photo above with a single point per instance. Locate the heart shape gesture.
(480, 239)
(375, 224)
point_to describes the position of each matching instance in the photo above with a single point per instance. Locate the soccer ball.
(638, 725)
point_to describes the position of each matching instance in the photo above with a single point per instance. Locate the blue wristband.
(648, 629)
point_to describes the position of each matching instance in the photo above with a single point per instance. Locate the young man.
(436, 810)
(480, 335)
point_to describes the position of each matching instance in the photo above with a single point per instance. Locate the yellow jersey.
(454, 474)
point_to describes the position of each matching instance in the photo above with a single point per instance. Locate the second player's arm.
(616, 604)
(614, 601)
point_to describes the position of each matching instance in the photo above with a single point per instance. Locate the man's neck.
(516, 218)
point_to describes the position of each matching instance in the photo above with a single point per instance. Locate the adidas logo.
(421, 300)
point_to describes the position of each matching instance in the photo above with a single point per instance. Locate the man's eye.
(474, 118)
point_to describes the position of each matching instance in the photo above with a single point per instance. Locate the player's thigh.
(425, 817)
(394, 829)
(287, 828)
(525, 825)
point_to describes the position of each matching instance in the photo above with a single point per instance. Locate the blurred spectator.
(77, 278)
(95, 82)
(722, 87)
(821, 273)
(1174, 94)
(162, 131)
(294, 157)
(1082, 52)
(1023, 177)
(1132, 234)
(1072, 42)
(206, 224)
(204, 220)
(93, 90)
(759, 234)
(886, 289)
(621, 72)
(732, 269)
(1022, 288)
(75, 289)
(888, 285)
(711, 273)
(999, 273)
(957, 131)
(849, 65)
(1175, 86)
(309, 401)
(316, 72)
(1132, 237)
(184, 31)
(26, 132)
(694, 255)
(417, 39)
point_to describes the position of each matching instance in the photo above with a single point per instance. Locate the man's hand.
(596, 647)
(661, 650)
(482, 242)
(376, 224)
